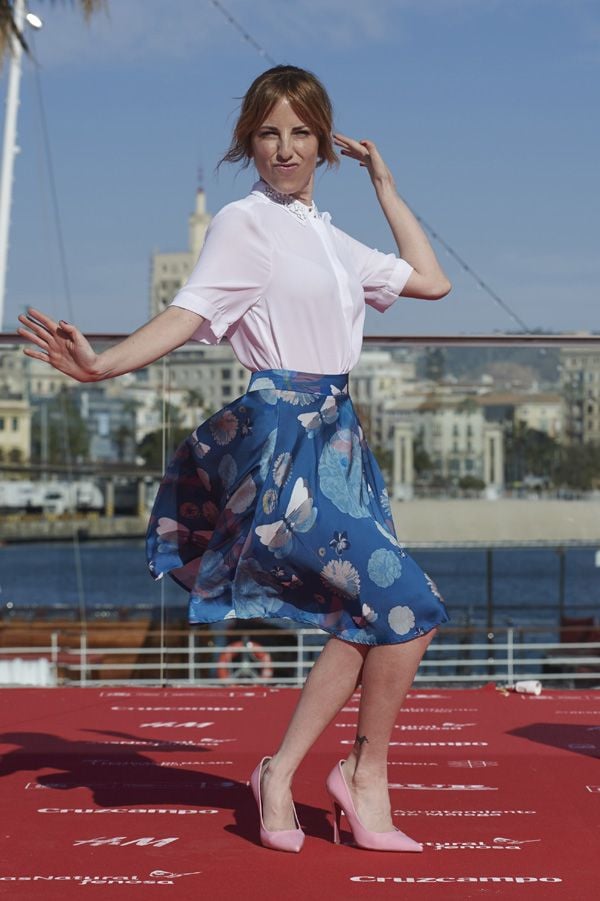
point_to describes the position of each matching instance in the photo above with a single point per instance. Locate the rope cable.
(245, 34)
(479, 281)
(66, 435)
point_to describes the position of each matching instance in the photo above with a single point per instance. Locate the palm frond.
(8, 29)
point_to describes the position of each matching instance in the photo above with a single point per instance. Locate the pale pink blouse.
(286, 287)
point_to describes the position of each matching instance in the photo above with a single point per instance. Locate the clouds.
(135, 31)
(482, 108)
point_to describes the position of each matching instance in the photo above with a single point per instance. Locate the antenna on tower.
(200, 177)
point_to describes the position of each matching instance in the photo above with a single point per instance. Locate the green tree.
(471, 483)
(385, 459)
(579, 467)
(530, 452)
(150, 447)
(194, 398)
(58, 432)
(422, 462)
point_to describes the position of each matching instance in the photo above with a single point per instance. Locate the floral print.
(275, 507)
(401, 619)
(223, 427)
(339, 542)
(341, 575)
(384, 567)
(282, 468)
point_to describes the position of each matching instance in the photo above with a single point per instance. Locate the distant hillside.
(471, 363)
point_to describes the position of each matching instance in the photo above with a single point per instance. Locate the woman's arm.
(428, 281)
(65, 347)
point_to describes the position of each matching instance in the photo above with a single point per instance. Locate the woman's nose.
(284, 149)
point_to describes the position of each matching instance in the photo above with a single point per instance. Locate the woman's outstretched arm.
(64, 347)
(428, 281)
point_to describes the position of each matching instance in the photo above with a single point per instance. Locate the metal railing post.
(300, 657)
(561, 583)
(489, 578)
(54, 656)
(82, 658)
(510, 655)
(191, 655)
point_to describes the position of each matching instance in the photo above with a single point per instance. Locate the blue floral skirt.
(275, 507)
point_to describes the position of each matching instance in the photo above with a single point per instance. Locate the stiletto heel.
(364, 838)
(337, 818)
(279, 839)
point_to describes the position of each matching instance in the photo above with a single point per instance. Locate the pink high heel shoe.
(364, 838)
(280, 839)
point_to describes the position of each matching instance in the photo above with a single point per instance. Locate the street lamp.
(9, 146)
(34, 20)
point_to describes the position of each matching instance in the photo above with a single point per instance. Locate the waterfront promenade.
(420, 521)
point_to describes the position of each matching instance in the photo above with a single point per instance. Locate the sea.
(104, 577)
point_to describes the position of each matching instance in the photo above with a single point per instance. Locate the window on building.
(226, 390)
(1, 423)
(15, 424)
(226, 374)
(455, 429)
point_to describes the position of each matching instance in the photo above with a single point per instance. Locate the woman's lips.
(286, 167)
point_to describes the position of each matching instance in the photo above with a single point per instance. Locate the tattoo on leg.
(361, 740)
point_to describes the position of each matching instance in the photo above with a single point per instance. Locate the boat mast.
(9, 149)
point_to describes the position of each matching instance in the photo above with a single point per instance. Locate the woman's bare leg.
(330, 683)
(388, 674)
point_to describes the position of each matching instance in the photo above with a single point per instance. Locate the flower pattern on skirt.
(275, 507)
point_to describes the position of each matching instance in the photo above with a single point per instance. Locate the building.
(580, 383)
(15, 430)
(171, 270)
(110, 420)
(541, 411)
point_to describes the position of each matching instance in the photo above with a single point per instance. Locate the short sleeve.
(382, 275)
(231, 274)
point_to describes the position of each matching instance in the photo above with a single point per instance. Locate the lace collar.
(296, 207)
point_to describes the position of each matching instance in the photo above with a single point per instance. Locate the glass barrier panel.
(489, 445)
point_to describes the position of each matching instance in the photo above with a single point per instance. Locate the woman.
(275, 506)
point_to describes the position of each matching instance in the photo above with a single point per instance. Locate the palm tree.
(8, 27)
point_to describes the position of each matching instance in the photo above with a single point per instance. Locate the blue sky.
(486, 111)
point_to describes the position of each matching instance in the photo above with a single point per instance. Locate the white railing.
(254, 658)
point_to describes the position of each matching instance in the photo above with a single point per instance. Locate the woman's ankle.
(366, 773)
(280, 769)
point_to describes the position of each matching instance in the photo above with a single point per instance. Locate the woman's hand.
(60, 344)
(428, 281)
(366, 153)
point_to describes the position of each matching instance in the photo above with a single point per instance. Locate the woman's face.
(285, 152)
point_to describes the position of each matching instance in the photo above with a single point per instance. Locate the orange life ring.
(232, 650)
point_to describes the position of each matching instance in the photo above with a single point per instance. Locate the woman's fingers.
(31, 336)
(34, 327)
(41, 319)
(35, 354)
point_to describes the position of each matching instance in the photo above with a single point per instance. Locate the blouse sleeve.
(231, 274)
(382, 275)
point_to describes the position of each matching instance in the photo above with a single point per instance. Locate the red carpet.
(141, 794)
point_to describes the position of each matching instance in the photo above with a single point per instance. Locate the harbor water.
(525, 584)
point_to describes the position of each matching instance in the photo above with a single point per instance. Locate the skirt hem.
(332, 632)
